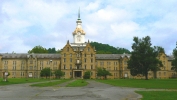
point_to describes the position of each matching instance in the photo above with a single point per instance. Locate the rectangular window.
(14, 67)
(70, 59)
(163, 62)
(164, 57)
(85, 67)
(31, 62)
(70, 66)
(78, 54)
(159, 73)
(125, 62)
(31, 67)
(70, 54)
(64, 54)
(35, 68)
(5, 67)
(48, 62)
(85, 60)
(64, 67)
(64, 60)
(78, 61)
(91, 60)
(5, 62)
(91, 66)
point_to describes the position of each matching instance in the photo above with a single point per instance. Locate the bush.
(87, 75)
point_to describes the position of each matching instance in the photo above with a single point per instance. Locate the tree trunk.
(105, 77)
(146, 76)
(155, 74)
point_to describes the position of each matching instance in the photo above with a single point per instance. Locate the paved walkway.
(65, 83)
(93, 91)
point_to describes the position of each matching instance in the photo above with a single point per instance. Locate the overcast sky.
(50, 23)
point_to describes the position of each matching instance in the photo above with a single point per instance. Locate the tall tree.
(58, 73)
(144, 57)
(174, 62)
(38, 49)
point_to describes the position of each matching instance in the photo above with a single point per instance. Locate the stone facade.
(75, 59)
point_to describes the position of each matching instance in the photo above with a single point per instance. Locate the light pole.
(50, 68)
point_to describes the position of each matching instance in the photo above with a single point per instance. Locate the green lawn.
(158, 95)
(77, 83)
(51, 83)
(149, 84)
(140, 83)
(20, 80)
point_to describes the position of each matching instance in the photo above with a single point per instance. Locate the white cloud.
(114, 22)
(93, 6)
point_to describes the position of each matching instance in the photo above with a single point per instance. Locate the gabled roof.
(111, 56)
(170, 57)
(26, 55)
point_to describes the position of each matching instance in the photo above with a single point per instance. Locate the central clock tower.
(79, 34)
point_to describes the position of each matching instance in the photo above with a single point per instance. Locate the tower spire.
(79, 14)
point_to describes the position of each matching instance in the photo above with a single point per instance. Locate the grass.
(77, 83)
(46, 84)
(20, 80)
(158, 95)
(139, 83)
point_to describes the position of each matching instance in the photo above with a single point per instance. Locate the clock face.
(79, 33)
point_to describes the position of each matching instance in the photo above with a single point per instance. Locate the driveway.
(93, 91)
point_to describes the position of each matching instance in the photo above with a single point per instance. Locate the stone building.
(75, 59)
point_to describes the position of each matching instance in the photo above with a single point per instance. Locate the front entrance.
(78, 74)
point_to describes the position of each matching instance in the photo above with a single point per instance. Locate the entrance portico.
(77, 73)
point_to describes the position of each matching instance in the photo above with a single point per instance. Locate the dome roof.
(79, 29)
